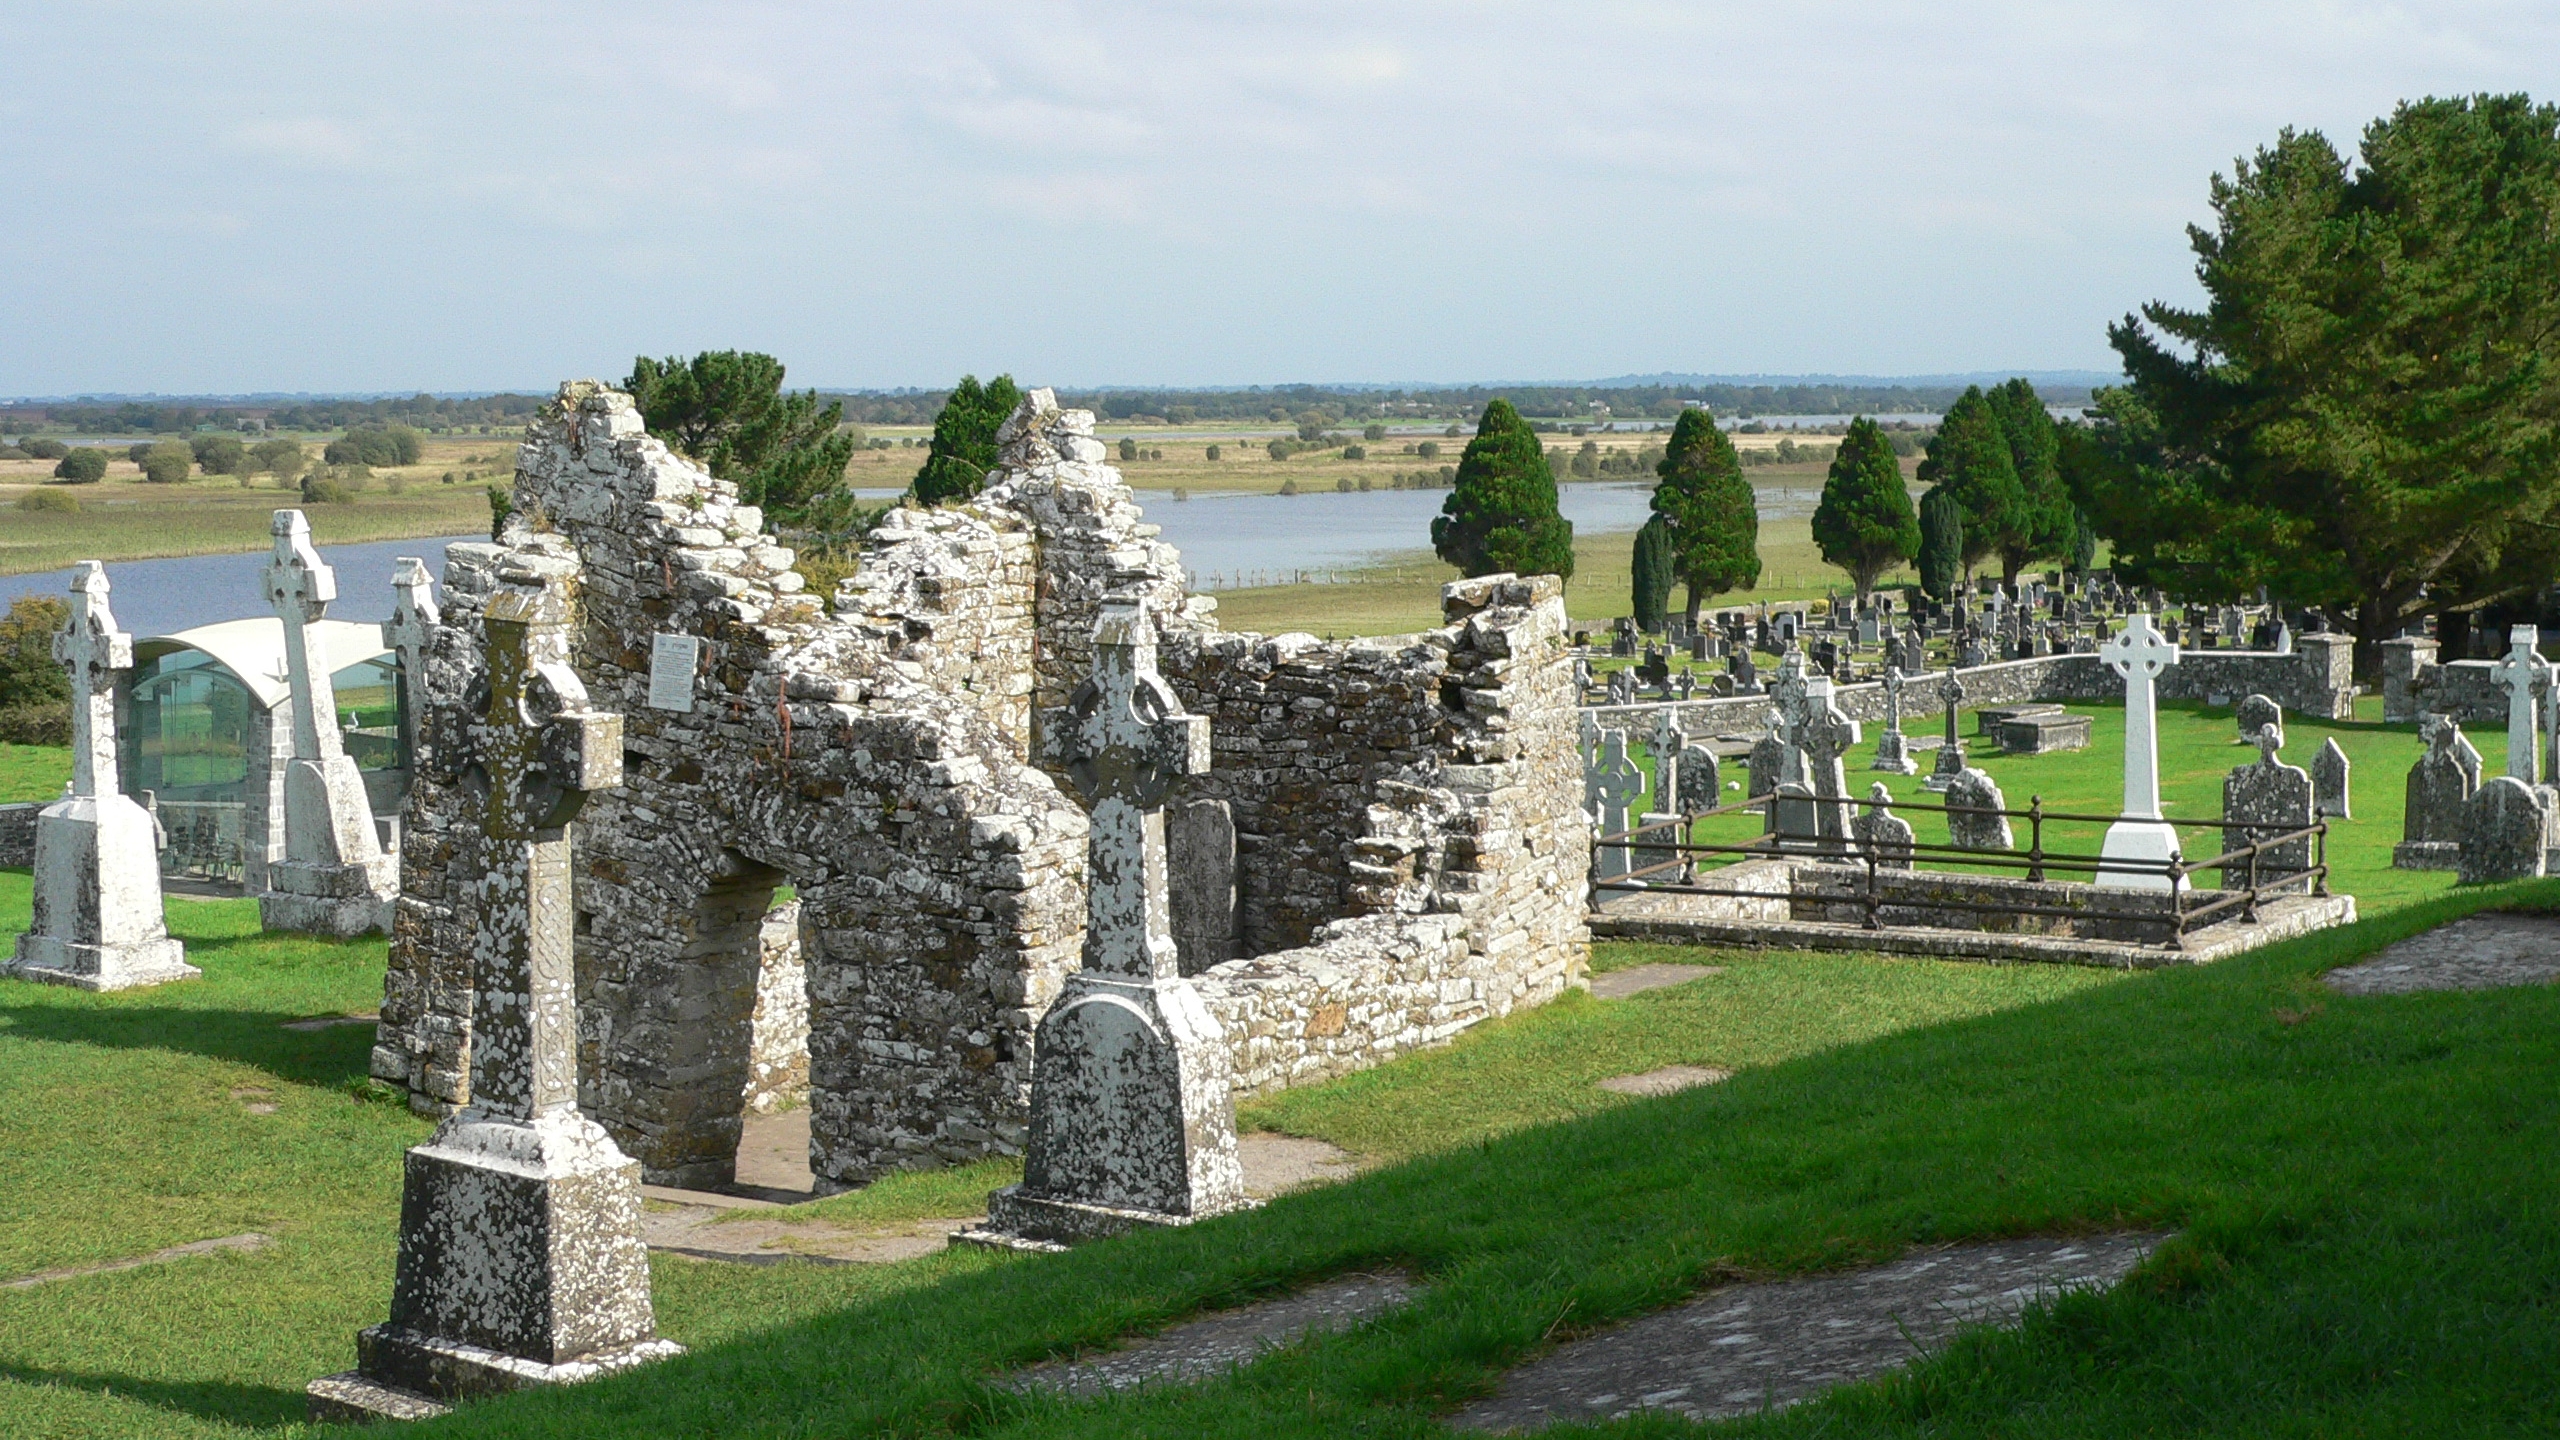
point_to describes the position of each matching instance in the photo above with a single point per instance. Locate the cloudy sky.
(371, 196)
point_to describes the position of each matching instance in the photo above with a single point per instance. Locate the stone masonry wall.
(18, 835)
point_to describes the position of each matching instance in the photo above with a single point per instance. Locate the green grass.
(32, 772)
(909, 1195)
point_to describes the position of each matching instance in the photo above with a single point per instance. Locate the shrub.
(335, 484)
(49, 500)
(12, 452)
(384, 445)
(167, 462)
(1289, 486)
(137, 450)
(36, 724)
(1364, 484)
(1281, 450)
(1344, 485)
(29, 675)
(282, 458)
(1355, 452)
(1213, 452)
(220, 454)
(1373, 432)
(1128, 448)
(1428, 449)
(44, 449)
(86, 465)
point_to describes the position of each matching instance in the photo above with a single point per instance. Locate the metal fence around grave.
(2184, 908)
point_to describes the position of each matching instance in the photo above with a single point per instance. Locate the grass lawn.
(32, 772)
(2371, 1240)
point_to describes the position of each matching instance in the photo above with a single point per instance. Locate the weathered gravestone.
(1200, 844)
(1768, 758)
(98, 921)
(1893, 749)
(1701, 780)
(1622, 687)
(2504, 832)
(521, 1262)
(1132, 1122)
(2273, 799)
(334, 878)
(1666, 741)
(1881, 833)
(2330, 773)
(1951, 750)
(2253, 714)
(1614, 783)
(1827, 736)
(410, 632)
(2440, 788)
(2520, 671)
(1973, 819)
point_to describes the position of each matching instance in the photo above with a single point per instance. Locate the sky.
(354, 196)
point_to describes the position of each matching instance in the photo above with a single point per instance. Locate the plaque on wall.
(672, 662)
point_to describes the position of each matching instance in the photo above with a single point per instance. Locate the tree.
(220, 454)
(1128, 449)
(1653, 574)
(29, 675)
(964, 440)
(384, 445)
(1941, 543)
(1865, 524)
(279, 457)
(1709, 509)
(2048, 519)
(1502, 515)
(167, 462)
(2366, 411)
(727, 410)
(82, 465)
(1970, 457)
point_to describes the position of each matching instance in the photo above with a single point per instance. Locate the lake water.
(1226, 541)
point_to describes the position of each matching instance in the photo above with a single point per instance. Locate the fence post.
(2249, 909)
(1871, 889)
(2035, 838)
(2177, 904)
(2320, 881)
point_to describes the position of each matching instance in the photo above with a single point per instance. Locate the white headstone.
(2142, 839)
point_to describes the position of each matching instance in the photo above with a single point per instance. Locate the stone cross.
(334, 879)
(521, 1261)
(1666, 742)
(1951, 757)
(299, 587)
(410, 631)
(95, 652)
(1787, 693)
(1951, 694)
(2522, 666)
(1617, 783)
(1828, 734)
(2139, 653)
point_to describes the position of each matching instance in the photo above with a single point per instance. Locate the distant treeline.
(1278, 404)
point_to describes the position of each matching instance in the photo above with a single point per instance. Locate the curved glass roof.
(253, 650)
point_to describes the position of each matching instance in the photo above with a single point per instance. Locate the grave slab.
(1741, 1349)
(2477, 952)
(1210, 1346)
(1636, 979)
(1669, 1080)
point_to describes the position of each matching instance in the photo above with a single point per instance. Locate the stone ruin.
(1387, 848)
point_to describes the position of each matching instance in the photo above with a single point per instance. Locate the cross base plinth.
(336, 900)
(1893, 754)
(2427, 855)
(1950, 765)
(2146, 847)
(402, 1375)
(97, 921)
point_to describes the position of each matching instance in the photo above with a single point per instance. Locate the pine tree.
(1709, 509)
(727, 409)
(1653, 575)
(1941, 543)
(2049, 519)
(1865, 524)
(1969, 456)
(964, 440)
(1502, 514)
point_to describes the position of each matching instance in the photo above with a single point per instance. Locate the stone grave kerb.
(97, 921)
(2142, 839)
(521, 1262)
(335, 878)
(1132, 1116)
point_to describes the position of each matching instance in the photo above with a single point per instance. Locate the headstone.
(2517, 672)
(98, 921)
(2330, 770)
(1768, 757)
(409, 632)
(334, 878)
(1622, 687)
(2143, 842)
(1615, 783)
(2254, 714)
(1881, 833)
(1200, 853)
(1893, 749)
(1132, 1122)
(1701, 783)
(2440, 788)
(1828, 735)
(1973, 821)
(2272, 799)
(2503, 831)
(1581, 674)
(1951, 749)
(1666, 742)
(521, 1261)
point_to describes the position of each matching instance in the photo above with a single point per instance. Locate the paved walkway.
(1204, 1348)
(2477, 952)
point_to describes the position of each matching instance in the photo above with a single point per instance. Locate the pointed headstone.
(2439, 792)
(1701, 781)
(2330, 771)
(2269, 798)
(521, 1262)
(98, 921)
(1132, 1120)
(2504, 830)
(334, 878)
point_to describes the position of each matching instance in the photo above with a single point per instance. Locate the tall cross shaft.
(2522, 666)
(299, 587)
(410, 631)
(1951, 691)
(2139, 653)
(1125, 741)
(540, 750)
(95, 652)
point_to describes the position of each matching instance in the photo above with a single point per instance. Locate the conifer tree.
(727, 409)
(1708, 508)
(2049, 520)
(964, 440)
(1653, 575)
(1502, 514)
(1865, 524)
(1969, 457)
(1941, 543)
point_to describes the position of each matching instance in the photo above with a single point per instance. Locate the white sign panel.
(672, 662)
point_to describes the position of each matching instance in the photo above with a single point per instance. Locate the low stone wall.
(1987, 904)
(18, 835)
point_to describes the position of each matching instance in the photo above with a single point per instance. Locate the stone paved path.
(1736, 1349)
(1203, 1348)
(1636, 979)
(2477, 952)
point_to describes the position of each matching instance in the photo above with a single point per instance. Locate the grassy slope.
(32, 772)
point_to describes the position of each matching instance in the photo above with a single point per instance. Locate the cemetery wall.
(18, 835)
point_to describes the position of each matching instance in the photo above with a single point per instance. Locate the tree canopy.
(2367, 409)
(1502, 513)
(1970, 458)
(964, 440)
(29, 675)
(2048, 520)
(1713, 518)
(727, 410)
(1653, 575)
(1941, 543)
(1865, 523)
(82, 465)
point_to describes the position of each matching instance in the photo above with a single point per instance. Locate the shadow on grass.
(328, 1058)
(260, 1405)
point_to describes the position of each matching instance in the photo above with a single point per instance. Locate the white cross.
(2522, 666)
(2139, 654)
(410, 630)
(300, 588)
(95, 652)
